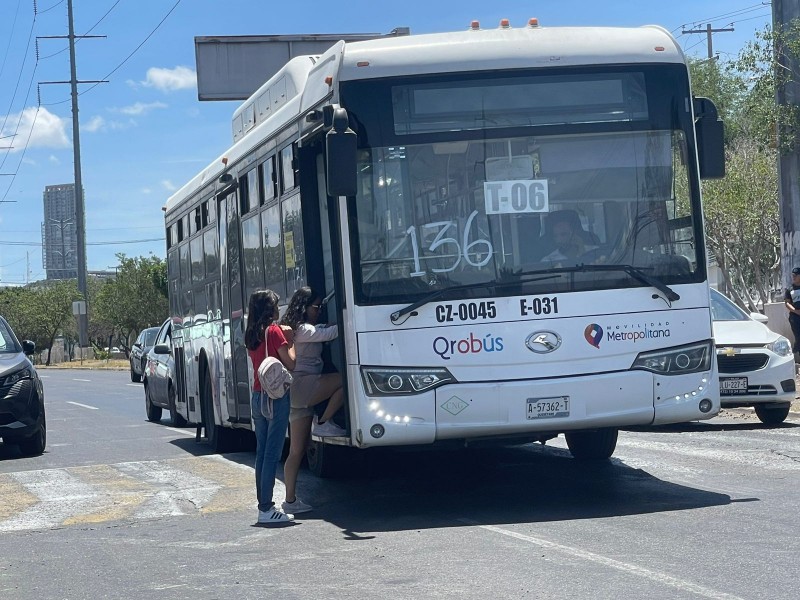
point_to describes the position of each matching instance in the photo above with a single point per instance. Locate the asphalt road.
(122, 508)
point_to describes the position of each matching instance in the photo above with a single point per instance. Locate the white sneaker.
(328, 429)
(274, 517)
(298, 506)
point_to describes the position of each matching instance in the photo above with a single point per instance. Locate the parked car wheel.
(770, 414)
(177, 418)
(35, 445)
(153, 412)
(135, 377)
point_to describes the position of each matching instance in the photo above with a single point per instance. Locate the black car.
(145, 341)
(22, 419)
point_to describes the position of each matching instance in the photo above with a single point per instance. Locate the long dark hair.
(260, 313)
(296, 311)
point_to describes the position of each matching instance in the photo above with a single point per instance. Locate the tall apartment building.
(59, 233)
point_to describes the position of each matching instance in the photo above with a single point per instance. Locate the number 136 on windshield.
(520, 196)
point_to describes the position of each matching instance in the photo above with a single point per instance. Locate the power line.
(135, 50)
(16, 87)
(10, 37)
(104, 243)
(59, 3)
(100, 20)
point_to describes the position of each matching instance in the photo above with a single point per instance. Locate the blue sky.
(144, 133)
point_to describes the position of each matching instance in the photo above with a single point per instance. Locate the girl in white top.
(309, 387)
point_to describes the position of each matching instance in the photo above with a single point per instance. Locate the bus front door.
(237, 386)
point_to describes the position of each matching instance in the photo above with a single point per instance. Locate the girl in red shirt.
(263, 337)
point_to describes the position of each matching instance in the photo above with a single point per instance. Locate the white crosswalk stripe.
(60, 496)
(175, 488)
(52, 498)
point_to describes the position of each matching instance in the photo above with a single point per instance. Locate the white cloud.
(140, 108)
(96, 123)
(168, 185)
(146, 191)
(169, 80)
(45, 129)
(54, 159)
(30, 161)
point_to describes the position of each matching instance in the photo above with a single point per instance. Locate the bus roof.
(487, 49)
(462, 51)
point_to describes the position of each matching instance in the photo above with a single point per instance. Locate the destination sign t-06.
(520, 196)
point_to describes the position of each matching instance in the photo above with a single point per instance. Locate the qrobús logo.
(446, 348)
(626, 333)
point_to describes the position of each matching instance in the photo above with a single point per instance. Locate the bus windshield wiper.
(634, 272)
(397, 315)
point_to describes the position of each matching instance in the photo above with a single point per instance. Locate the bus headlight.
(397, 381)
(781, 347)
(676, 361)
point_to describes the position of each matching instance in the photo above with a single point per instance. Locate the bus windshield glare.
(438, 215)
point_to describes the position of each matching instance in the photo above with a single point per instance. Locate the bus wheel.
(772, 414)
(324, 460)
(217, 436)
(177, 418)
(592, 445)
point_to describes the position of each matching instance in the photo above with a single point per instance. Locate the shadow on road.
(528, 484)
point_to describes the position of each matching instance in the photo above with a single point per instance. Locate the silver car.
(141, 346)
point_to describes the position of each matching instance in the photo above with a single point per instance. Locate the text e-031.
(538, 306)
(465, 311)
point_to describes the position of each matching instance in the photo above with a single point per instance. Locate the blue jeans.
(270, 436)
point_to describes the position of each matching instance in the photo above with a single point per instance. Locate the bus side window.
(293, 244)
(273, 250)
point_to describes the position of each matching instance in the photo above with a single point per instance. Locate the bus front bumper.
(514, 408)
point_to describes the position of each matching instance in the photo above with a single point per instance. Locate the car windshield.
(8, 342)
(723, 309)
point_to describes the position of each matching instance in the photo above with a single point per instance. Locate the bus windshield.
(439, 215)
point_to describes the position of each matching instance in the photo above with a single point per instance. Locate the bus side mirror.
(341, 143)
(710, 134)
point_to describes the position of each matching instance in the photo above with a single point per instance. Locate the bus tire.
(218, 437)
(324, 460)
(177, 418)
(598, 444)
(772, 414)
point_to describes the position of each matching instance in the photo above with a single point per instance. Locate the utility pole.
(708, 31)
(80, 221)
(787, 93)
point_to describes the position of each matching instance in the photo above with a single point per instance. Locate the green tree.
(136, 298)
(39, 313)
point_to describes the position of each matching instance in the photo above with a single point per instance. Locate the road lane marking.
(89, 380)
(134, 384)
(663, 578)
(183, 431)
(82, 405)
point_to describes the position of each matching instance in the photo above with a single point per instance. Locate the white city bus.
(507, 223)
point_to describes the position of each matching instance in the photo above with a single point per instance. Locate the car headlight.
(395, 381)
(26, 373)
(676, 361)
(781, 347)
